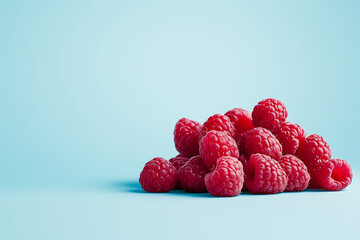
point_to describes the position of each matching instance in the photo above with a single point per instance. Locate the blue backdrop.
(91, 90)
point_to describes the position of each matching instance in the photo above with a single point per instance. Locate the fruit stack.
(259, 152)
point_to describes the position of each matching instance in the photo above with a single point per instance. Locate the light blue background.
(91, 90)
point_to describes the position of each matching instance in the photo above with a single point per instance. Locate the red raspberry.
(295, 169)
(158, 175)
(226, 179)
(290, 136)
(187, 137)
(178, 162)
(269, 113)
(334, 175)
(261, 140)
(264, 175)
(215, 145)
(241, 119)
(191, 175)
(219, 123)
(313, 151)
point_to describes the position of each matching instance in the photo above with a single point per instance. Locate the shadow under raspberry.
(133, 186)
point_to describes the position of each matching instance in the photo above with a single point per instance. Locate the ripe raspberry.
(187, 137)
(290, 135)
(269, 113)
(226, 179)
(215, 145)
(241, 119)
(219, 123)
(264, 175)
(334, 175)
(178, 162)
(191, 175)
(261, 140)
(295, 169)
(313, 151)
(158, 175)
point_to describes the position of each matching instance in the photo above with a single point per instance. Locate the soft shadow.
(123, 186)
(133, 186)
(321, 190)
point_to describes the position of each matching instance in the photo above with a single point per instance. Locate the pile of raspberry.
(239, 151)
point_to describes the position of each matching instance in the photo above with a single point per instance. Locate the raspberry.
(219, 123)
(295, 169)
(264, 175)
(241, 119)
(158, 175)
(226, 179)
(191, 175)
(334, 175)
(187, 137)
(178, 162)
(269, 113)
(313, 151)
(290, 136)
(215, 145)
(261, 140)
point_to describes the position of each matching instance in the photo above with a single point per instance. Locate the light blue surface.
(91, 90)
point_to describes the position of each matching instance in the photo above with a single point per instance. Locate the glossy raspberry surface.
(191, 175)
(226, 179)
(264, 175)
(220, 123)
(290, 136)
(215, 145)
(178, 162)
(158, 175)
(313, 151)
(334, 174)
(241, 119)
(269, 113)
(261, 140)
(187, 137)
(296, 171)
